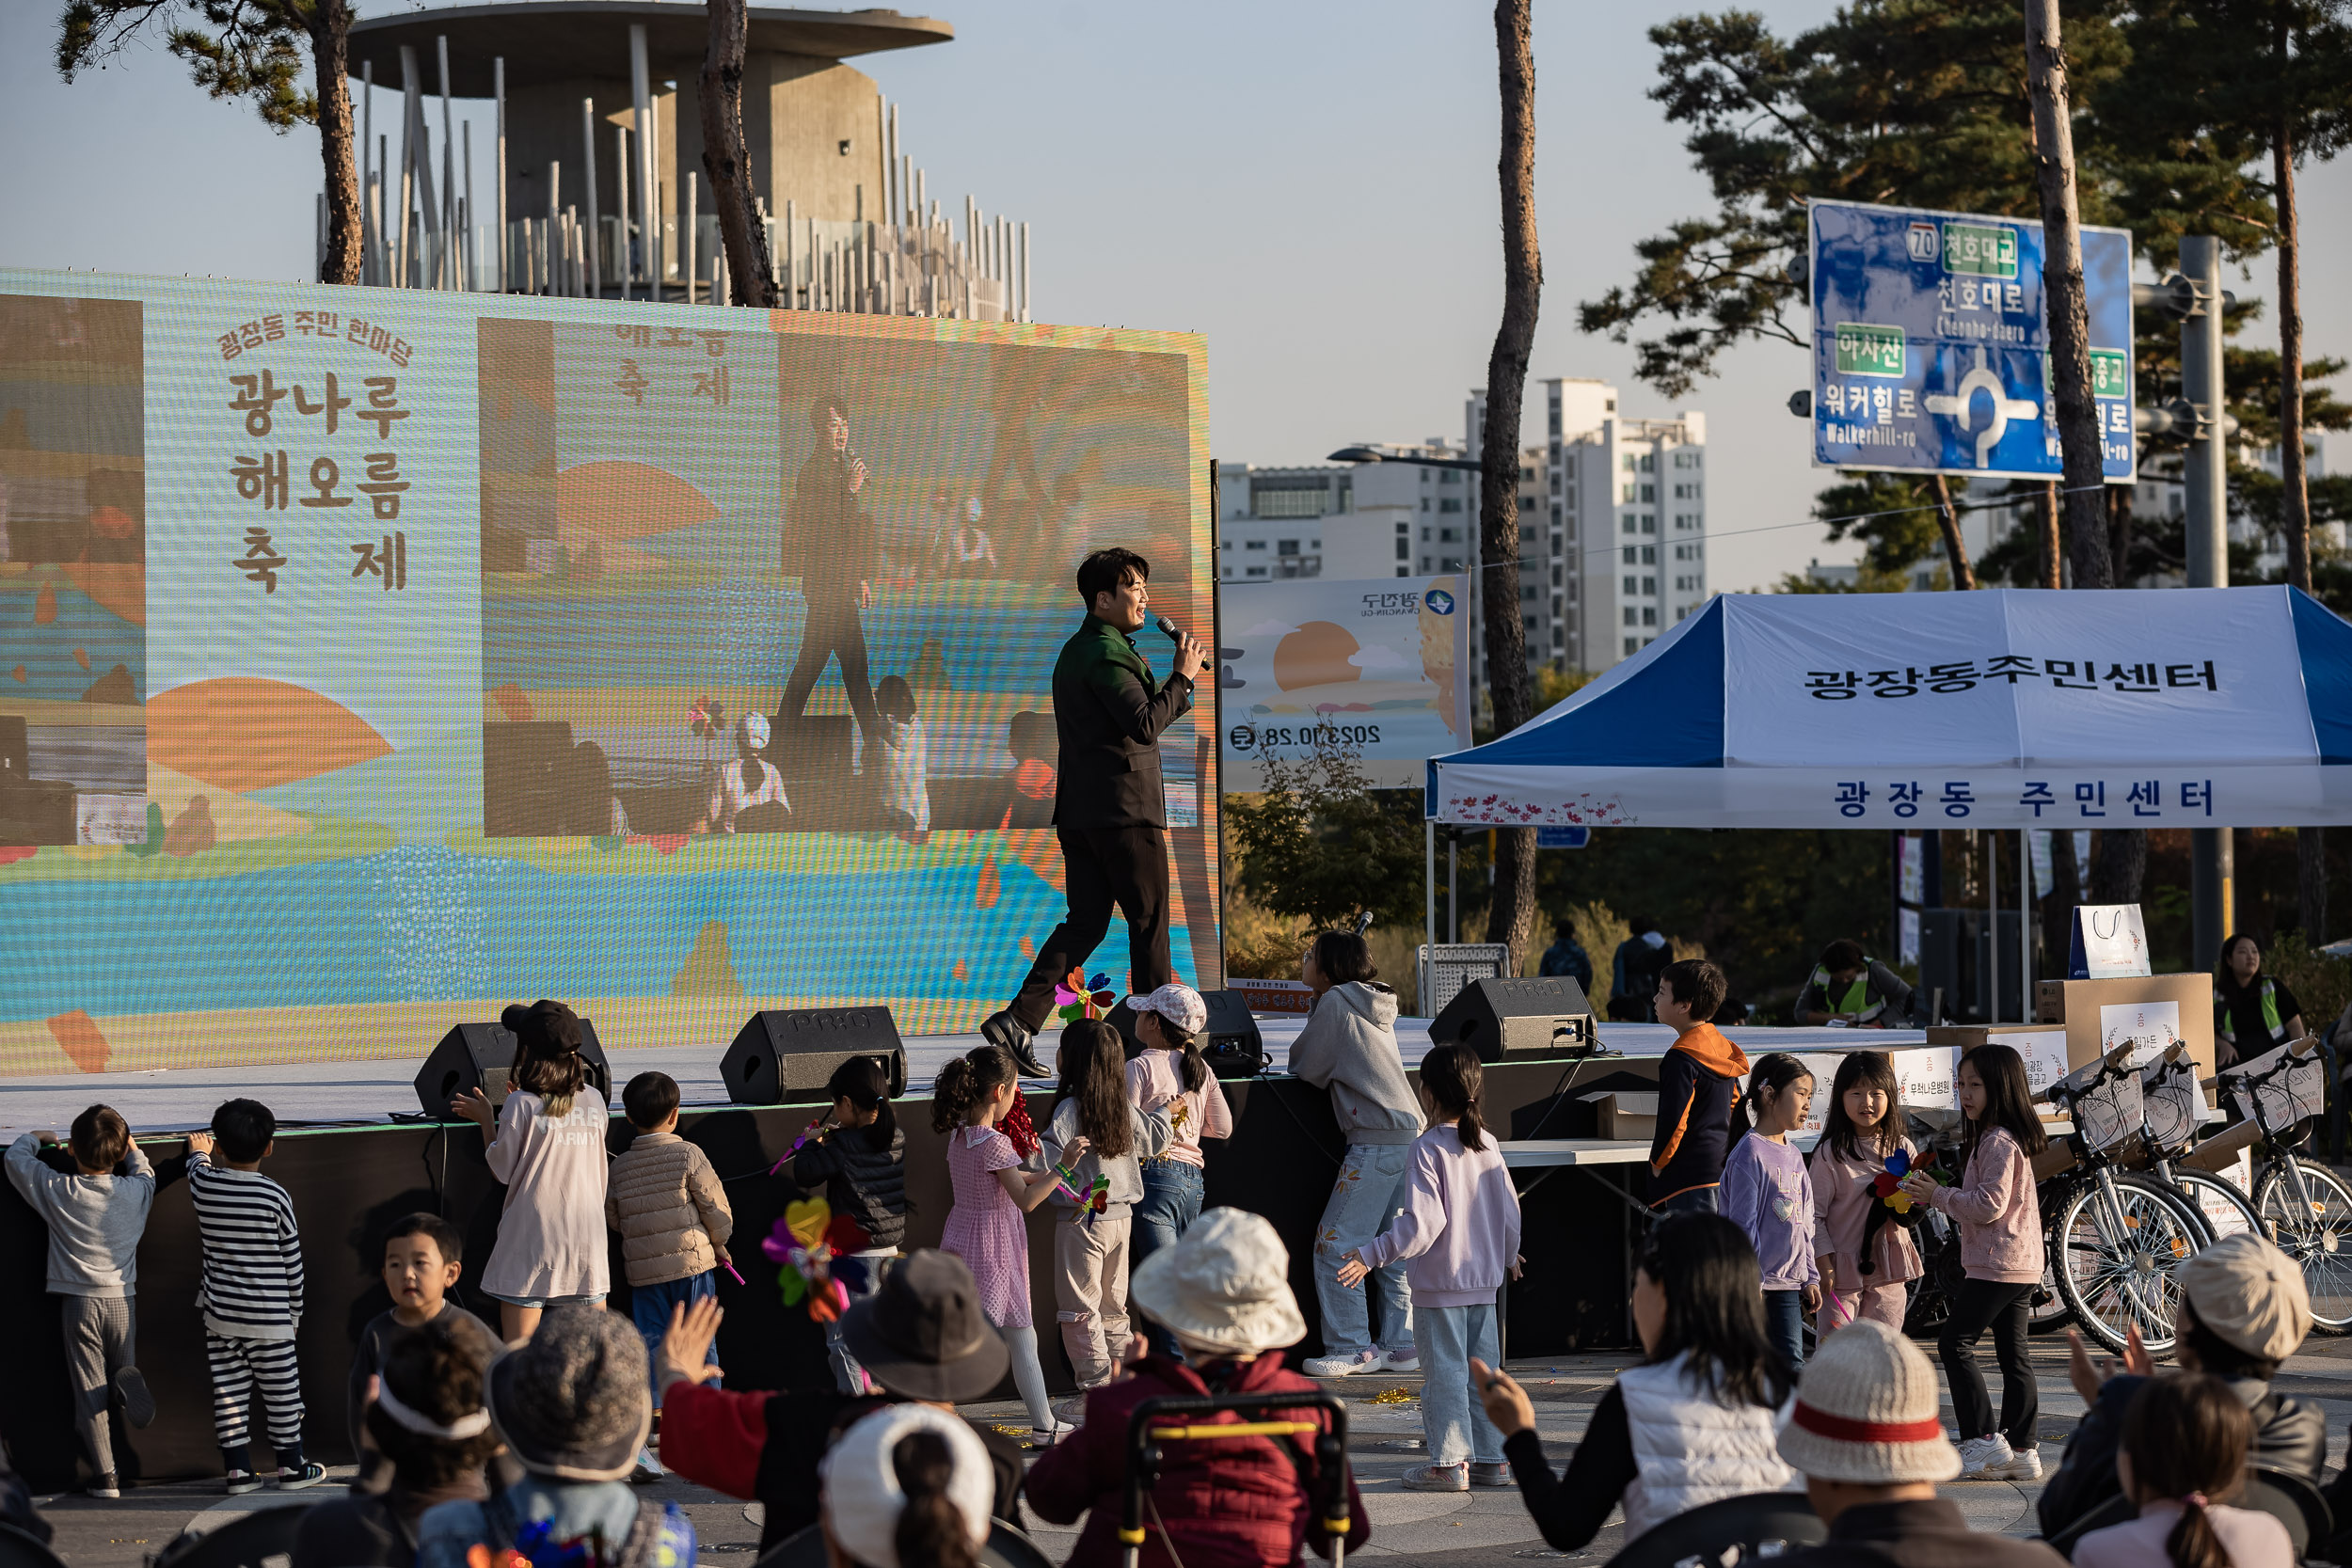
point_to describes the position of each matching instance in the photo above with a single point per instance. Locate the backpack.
(658, 1526)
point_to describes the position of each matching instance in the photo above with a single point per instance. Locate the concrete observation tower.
(600, 123)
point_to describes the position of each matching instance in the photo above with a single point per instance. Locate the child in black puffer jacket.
(860, 1161)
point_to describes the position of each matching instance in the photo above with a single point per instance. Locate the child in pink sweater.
(1459, 1234)
(2001, 1254)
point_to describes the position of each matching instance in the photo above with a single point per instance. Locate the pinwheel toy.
(1888, 1182)
(1080, 998)
(800, 1244)
(1090, 1202)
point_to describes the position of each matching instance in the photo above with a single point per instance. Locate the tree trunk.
(2047, 523)
(2119, 863)
(750, 268)
(2065, 301)
(1512, 918)
(330, 53)
(1955, 547)
(2295, 508)
(2119, 533)
(2066, 891)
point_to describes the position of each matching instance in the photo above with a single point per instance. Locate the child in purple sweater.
(1459, 1236)
(1767, 1192)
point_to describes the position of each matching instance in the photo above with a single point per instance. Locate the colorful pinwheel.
(800, 1244)
(1081, 998)
(1887, 1184)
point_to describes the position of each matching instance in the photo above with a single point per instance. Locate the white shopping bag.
(2110, 943)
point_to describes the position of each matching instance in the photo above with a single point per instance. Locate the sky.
(1309, 184)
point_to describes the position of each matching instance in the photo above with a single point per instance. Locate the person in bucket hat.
(921, 1335)
(572, 1405)
(1865, 1434)
(2243, 1309)
(1224, 1292)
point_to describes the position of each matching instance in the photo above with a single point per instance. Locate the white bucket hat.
(752, 730)
(1177, 1003)
(863, 1499)
(1225, 1284)
(1865, 1412)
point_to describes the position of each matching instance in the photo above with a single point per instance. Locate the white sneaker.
(2024, 1465)
(1344, 1366)
(1406, 1360)
(648, 1470)
(1985, 1457)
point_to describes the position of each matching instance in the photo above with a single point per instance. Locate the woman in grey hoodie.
(1349, 1046)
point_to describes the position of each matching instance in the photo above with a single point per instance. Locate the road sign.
(1563, 838)
(1931, 350)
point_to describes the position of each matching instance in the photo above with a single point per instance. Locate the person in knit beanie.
(573, 1406)
(1865, 1434)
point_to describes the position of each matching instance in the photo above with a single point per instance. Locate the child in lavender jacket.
(1460, 1235)
(1768, 1194)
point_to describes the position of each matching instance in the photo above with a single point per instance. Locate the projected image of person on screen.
(831, 544)
(1110, 812)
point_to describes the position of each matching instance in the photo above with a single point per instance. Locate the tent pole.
(1454, 886)
(2025, 929)
(1429, 893)
(1993, 937)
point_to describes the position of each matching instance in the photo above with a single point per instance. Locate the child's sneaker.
(1496, 1474)
(137, 1403)
(1344, 1366)
(242, 1482)
(1984, 1458)
(1406, 1360)
(1438, 1478)
(294, 1481)
(105, 1486)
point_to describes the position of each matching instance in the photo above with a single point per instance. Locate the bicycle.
(2171, 1109)
(2303, 1206)
(2114, 1237)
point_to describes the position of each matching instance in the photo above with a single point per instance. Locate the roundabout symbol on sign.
(1955, 406)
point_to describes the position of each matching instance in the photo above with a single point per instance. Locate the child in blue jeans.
(666, 1202)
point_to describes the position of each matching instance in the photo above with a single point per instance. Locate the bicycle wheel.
(2226, 1210)
(2318, 1238)
(2117, 1260)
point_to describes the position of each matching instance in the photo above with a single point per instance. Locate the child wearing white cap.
(746, 784)
(908, 1487)
(1170, 1074)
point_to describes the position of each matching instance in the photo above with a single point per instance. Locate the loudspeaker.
(1230, 1043)
(787, 1055)
(482, 1056)
(1519, 1018)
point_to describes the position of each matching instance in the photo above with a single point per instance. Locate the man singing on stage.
(829, 544)
(1109, 810)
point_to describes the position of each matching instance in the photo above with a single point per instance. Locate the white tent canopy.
(2204, 708)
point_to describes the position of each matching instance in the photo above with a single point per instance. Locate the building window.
(1649, 615)
(1286, 546)
(1626, 494)
(1527, 593)
(1448, 476)
(1451, 563)
(1428, 563)
(1402, 529)
(1649, 462)
(1225, 544)
(1649, 585)
(1632, 618)
(1402, 572)
(1649, 555)
(1556, 512)
(1633, 645)
(1529, 622)
(1451, 503)
(1632, 586)
(1254, 544)
(1448, 535)
(1555, 576)
(1257, 571)
(1630, 524)
(1404, 549)
(1649, 493)
(1559, 637)
(1632, 554)
(1649, 522)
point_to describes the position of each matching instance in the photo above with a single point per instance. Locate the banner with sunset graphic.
(371, 658)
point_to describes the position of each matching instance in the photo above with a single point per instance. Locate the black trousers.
(1982, 1303)
(832, 628)
(1104, 866)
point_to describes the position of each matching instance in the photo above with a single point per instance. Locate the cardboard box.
(2152, 1010)
(1625, 1115)
(2044, 1048)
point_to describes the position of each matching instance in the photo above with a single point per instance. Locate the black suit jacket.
(1109, 717)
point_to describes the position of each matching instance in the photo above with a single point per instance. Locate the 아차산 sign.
(1930, 348)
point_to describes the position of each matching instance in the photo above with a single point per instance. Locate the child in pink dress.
(992, 1194)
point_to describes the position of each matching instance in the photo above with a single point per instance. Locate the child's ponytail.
(964, 1083)
(1454, 1078)
(862, 1082)
(930, 1530)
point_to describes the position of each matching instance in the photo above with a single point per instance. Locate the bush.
(2322, 984)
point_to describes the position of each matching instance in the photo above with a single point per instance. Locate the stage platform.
(344, 1094)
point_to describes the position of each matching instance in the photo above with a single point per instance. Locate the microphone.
(1169, 626)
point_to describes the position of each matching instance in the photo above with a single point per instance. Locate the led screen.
(370, 659)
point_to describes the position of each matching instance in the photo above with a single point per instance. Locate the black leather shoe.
(1004, 1031)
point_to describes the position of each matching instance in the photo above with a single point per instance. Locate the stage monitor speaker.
(482, 1056)
(1519, 1018)
(1230, 1043)
(788, 1053)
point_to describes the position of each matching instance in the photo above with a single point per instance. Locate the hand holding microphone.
(1191, 657)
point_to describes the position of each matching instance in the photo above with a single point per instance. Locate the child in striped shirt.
(250, 1293)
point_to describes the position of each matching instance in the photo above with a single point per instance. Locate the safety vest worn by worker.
(1857, 999)
(2225, 1021)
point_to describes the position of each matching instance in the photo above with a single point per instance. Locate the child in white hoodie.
(1349, 1046)
(1460, 1232)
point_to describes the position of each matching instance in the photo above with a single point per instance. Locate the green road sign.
(1981, 250)
(1867, 350)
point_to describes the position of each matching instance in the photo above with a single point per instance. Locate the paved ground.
(1406, 1525)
